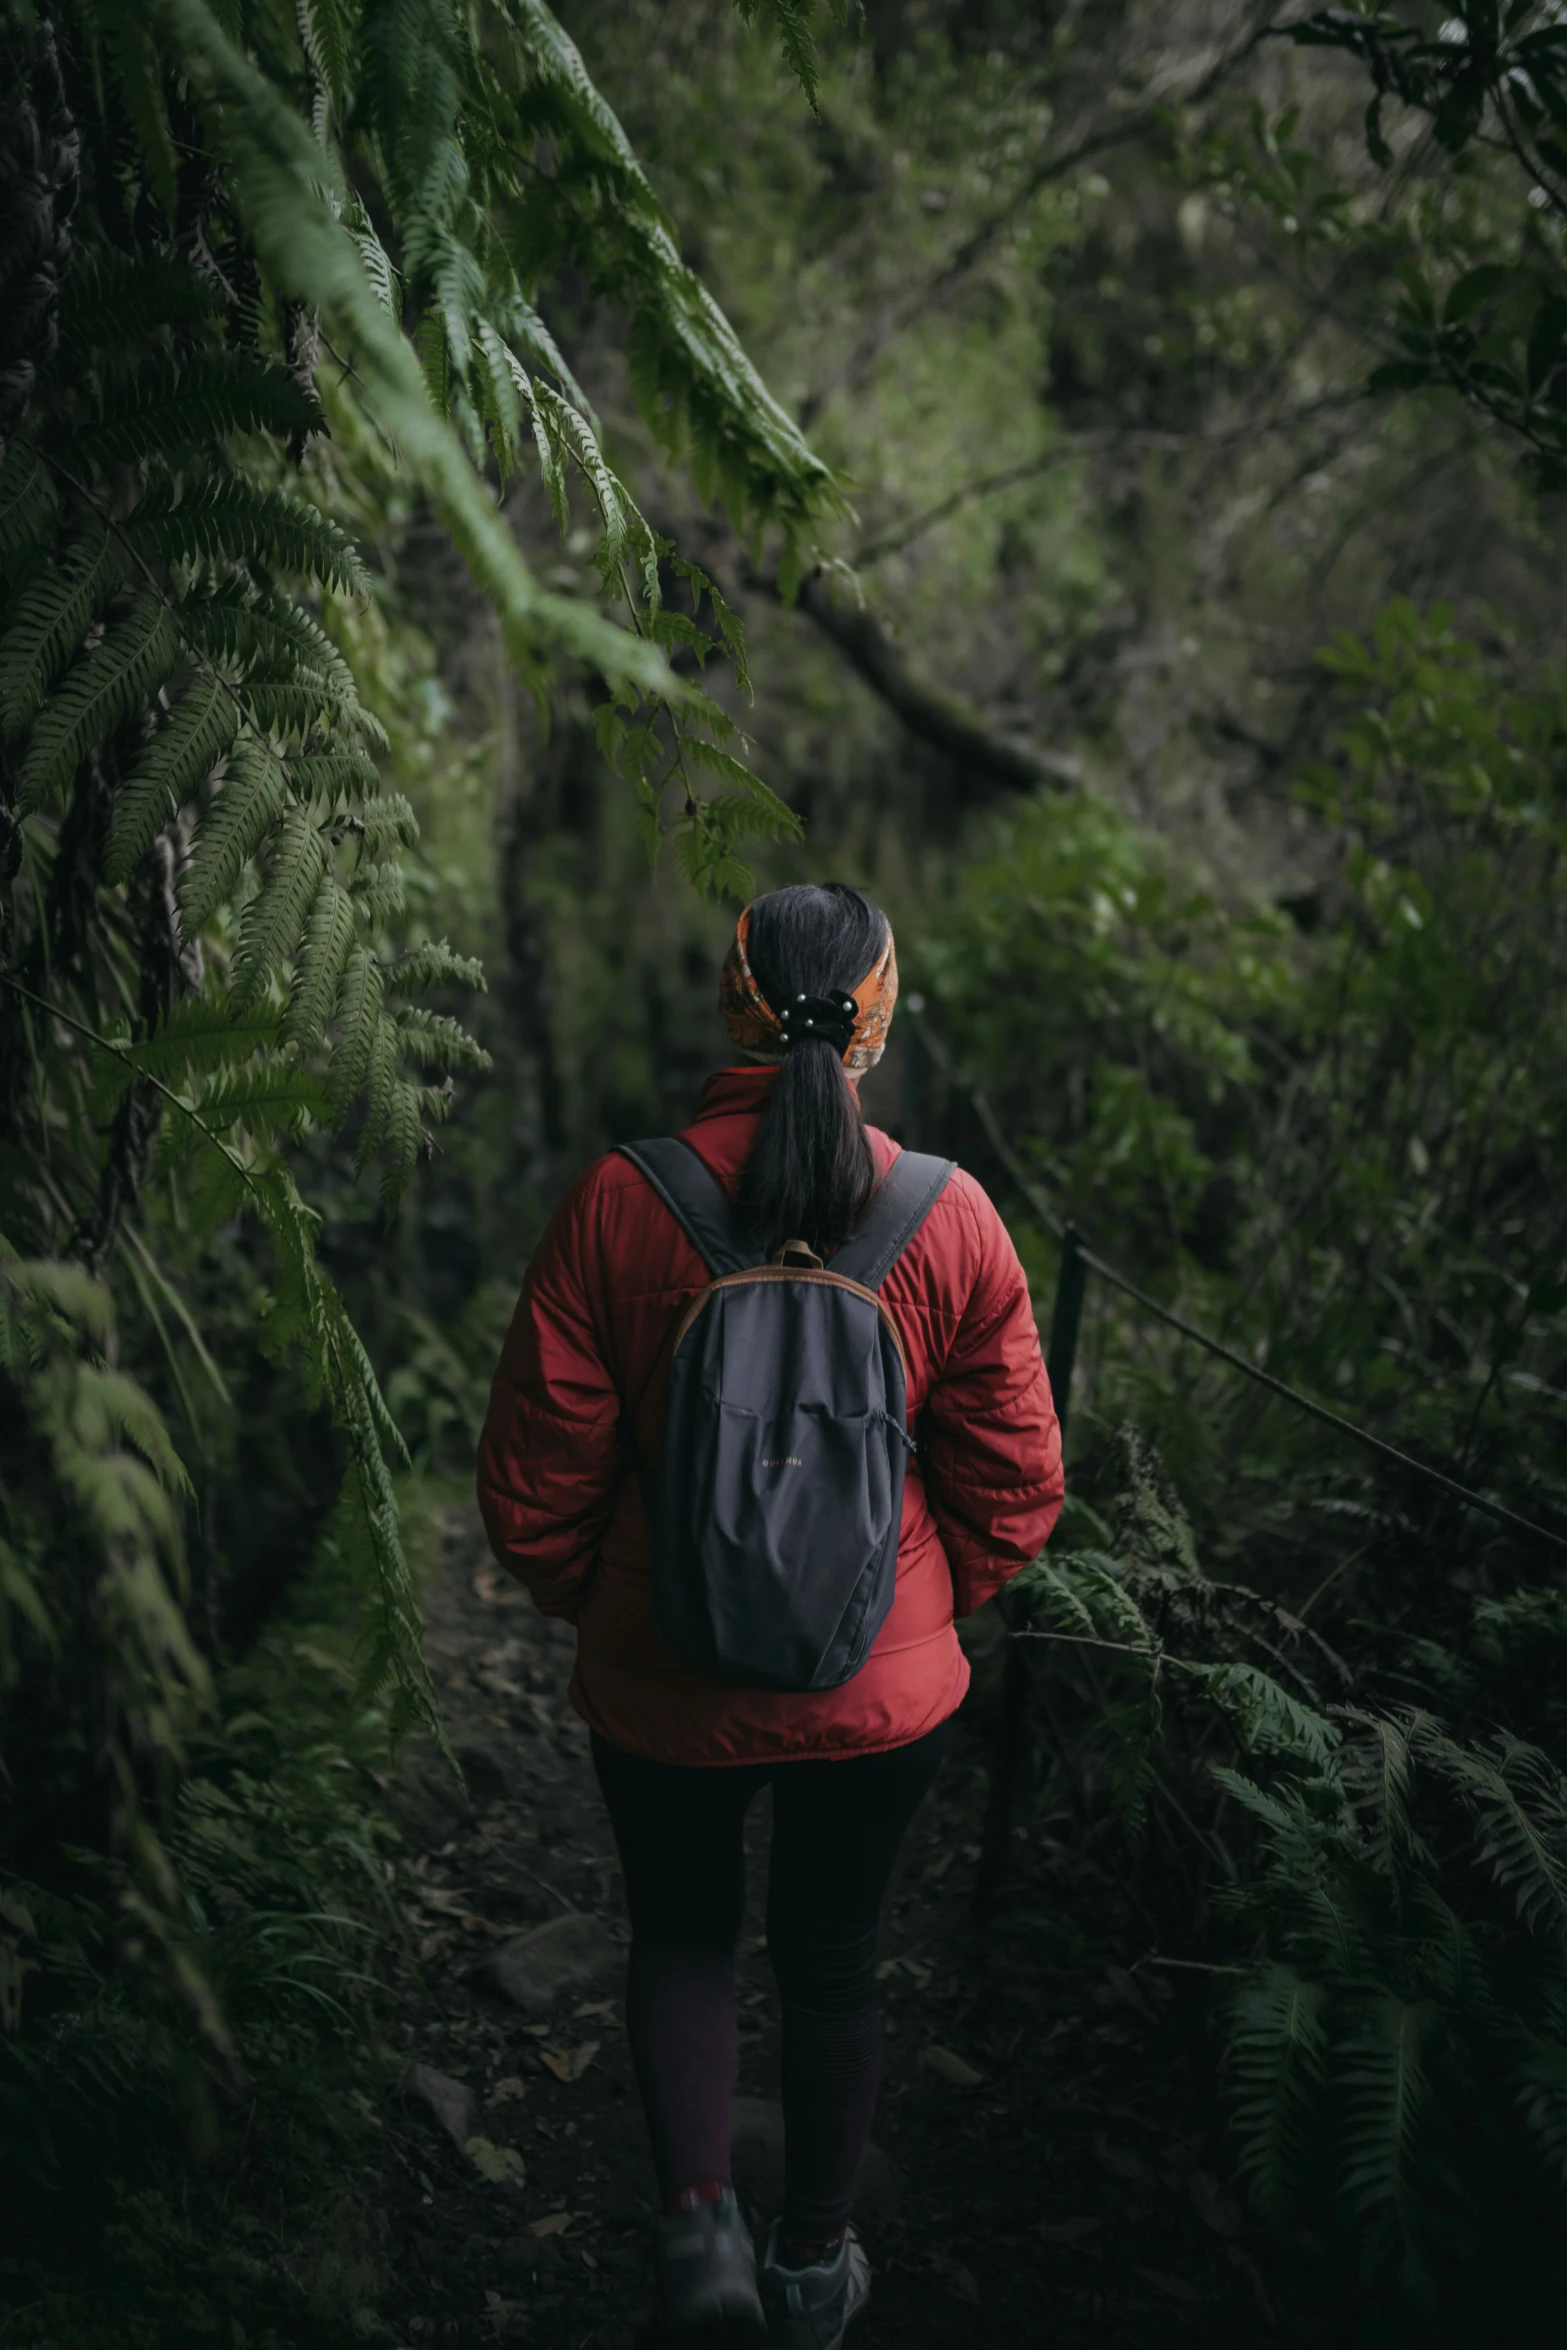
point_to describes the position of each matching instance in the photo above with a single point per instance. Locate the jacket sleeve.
(550, 1457)
(989, 1440)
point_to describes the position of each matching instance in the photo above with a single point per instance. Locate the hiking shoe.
(704, 2272)
(813, 2308)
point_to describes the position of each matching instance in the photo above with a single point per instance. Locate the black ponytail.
(812, 1170)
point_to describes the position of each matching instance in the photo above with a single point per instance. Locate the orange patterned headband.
(756, 1029)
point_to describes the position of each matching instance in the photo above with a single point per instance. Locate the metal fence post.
(1012, 1742)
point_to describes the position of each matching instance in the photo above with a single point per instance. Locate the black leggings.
(837, 1827)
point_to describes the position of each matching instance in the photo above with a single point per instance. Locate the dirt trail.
(1042, 2188)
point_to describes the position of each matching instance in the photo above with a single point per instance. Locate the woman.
(680, 1755)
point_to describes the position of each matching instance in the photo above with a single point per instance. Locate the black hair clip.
(830, 1017)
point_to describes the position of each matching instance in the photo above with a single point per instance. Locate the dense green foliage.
(1155, 604)
(211, 971)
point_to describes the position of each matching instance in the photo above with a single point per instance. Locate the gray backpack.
(780, 1486)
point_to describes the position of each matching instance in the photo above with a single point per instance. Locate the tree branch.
(941, 720)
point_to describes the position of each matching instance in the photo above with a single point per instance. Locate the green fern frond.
(731, 630)
(359, 1021)
(113, 299)
(389, 822)
(547, 441)
(791, 24)
(1519, 1804)
(295, 707)
(323, 778)
(1388, 2119)
(381, 1088)
(1050, 1595)
(1540, 2072)
(377, 265)
(329, 31)
(432, 1041)
(96, 695)
(192, 403)
(169, 770)
(323, 955)
(1276, 2051)
(496, 388)
(277, 174)
(432, 965)
(1265, 1718)
(740, 816)
(202, 1034)
(49, 620)
(232, 519)
(402, 1139)
(277, 914)
(268, 1096)
(138, 75)
(577, 435)
(248, 803)
(29, 508)
(379, 894)
(272, 642)
(1376, 1771)
(189, 405)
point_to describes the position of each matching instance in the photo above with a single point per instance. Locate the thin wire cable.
(1317, 1411)
(1068, 1234)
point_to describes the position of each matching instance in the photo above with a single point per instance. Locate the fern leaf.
(577, 434)
(1519, 1803)
(323, 778)
(276, 173)
(1265, 1718)
(231, 519)
(275, 917)
(138, 74)
(201, 1034)
(1388, 2122)
(268, 1096)
(548, 443)
(113, 299)
(401, 1141)
(294, 708)
(250, 801)
(433, 1041)
(791, 24)
(169, 770)
(358, 1022)
(51, 616)
(190, 403)
(736, 774)
(1541, 2076)
(323, 954)
(379, 894)
(389, 822)
(1377, 1773)
(1275, 2058)
(29, 508)
(381, 1086)
(97, 694)
(496, 386)
(432, 965)
(377, 265)
(294, 676)
(329, 31)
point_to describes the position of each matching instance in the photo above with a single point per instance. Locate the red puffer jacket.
(605, 1291)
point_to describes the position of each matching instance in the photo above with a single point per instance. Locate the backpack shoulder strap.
(897, 1208)
(695, 1199)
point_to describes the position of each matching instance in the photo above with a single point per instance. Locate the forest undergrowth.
(331, 343)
